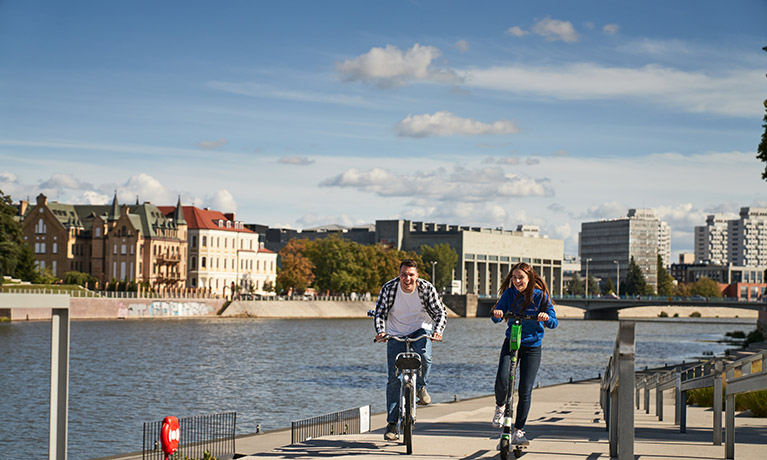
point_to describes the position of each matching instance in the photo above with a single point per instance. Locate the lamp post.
(618, 277)
(587, 277)
(433, 279)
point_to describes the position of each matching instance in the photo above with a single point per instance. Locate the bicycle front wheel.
(407, 423)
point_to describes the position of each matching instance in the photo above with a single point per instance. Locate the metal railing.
(213, 433)
(349, 421)
(617, 393)
(741, 377)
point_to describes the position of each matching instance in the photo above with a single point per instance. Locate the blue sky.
(304, 113)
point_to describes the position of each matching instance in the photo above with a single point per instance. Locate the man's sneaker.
(498, 417)
(423, 397)
(519, 438)
(391, 432)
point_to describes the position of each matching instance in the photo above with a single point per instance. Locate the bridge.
(604, 307)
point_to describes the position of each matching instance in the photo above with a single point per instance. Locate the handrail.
(617, 393)
(741, 378)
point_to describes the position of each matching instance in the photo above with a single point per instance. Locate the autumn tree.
(445, 257)
(706, 287)
(297, 270)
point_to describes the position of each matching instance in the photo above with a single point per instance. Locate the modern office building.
(741, 241)
(134, 243)
(607, 246)
(222, 251)
(485, 255)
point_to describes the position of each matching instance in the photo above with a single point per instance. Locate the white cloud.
(252, 89)
(448, 124)
(223, 201)
(554, 29)
(611, 29)
(94, 197)
(212, 145)
(462, 45)
(729, 92)
(390, 67)
(295, 160)
(516, 31)
(560, 153)
(609, 210)
(64, 181)
(315, 220)
(460, 185)
(146, 188)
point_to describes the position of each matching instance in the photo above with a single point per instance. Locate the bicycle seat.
(408, 360)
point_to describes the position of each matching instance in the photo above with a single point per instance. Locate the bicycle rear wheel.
(407, 423)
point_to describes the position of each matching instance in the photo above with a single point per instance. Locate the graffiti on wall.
(162, 308)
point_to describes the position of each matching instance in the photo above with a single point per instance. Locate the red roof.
(197, 219)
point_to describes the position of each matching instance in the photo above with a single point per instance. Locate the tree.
(706, 287)
(635, 281)
(79, 278)
(575, 286)
(339, 264)
(446, 258)
(11, 238)
(665, 280)
(593, 286)
(297, 269)
(762, 149)
(609, 286)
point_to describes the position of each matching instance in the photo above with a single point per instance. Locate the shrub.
(755, 401)
(695, 314)
(663, 314)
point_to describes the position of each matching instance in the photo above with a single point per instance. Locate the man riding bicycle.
(407, 305)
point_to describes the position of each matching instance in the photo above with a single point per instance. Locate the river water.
(125, 373)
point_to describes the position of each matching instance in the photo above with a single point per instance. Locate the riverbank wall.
(125, 308)
(302, 309)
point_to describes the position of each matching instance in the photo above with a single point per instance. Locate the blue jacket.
(532, 331)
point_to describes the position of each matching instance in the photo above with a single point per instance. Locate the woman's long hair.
(534, 281)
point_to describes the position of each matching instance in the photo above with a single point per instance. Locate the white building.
(222, 252)
(741, 242)
(609, 245)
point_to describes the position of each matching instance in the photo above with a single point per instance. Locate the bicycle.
(408, 365)
(515, 339)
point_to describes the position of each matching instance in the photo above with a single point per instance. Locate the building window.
(204, 240)
(194, 263)
(54, 250)
(97, 232)
(194, 240)
(202, 260)
(40, 227)
(123, 249)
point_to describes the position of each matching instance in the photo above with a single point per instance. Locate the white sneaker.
(519, 438)
(498, 416)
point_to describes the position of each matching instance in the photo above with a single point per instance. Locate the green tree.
(706, 287)
(575, 286)
(683, 289)
(445, 258)
(26, 269)
(11, 238)
(79, 278)
(665, 280)
(297, 269)
(339, 264)
(762, 149)
(609, 286)
(593, 286)
(636, 284)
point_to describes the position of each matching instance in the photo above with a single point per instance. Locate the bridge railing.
(742, 376)
(617, 393)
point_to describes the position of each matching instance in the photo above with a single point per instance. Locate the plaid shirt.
(429, 300)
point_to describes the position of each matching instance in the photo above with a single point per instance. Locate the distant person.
(522, 292)
(410, 306)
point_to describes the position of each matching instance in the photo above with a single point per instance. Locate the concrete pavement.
(565, 423)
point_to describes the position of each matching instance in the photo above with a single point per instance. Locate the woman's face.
(519, 279)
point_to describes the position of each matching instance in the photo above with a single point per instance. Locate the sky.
(306, 113)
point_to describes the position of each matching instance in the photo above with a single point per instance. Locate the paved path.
(565, 423)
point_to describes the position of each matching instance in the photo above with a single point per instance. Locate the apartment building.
(741, 242)
(223, 252)
(137, 243)
(607, 246)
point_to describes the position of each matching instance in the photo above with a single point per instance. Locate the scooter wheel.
(504, 447)
(517, 453)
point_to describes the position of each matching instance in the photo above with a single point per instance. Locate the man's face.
(407, 278)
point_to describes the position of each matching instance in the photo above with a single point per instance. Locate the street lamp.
(587, 277)
(433, 279)
(618, 277)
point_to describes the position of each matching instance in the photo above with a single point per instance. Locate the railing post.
(647, 398)
(659, 400)
(626, 351)
(678, 396)
(717, 409)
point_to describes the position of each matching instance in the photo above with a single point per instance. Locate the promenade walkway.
(565, 423)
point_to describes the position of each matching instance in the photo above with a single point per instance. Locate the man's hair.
(409, 263)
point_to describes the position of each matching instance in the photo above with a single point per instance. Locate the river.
(125, 373)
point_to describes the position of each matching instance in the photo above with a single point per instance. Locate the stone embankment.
(301, 309)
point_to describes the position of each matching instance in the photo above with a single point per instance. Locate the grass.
(755, 401)
(59, 288)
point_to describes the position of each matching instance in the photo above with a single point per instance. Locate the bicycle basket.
(408, 360)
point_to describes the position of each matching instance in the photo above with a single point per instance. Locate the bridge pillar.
(601, 314)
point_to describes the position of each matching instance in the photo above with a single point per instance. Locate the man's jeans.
(528, 361)
(393, 347)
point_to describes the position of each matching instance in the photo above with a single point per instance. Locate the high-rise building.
(741, 242)
(607, 246)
